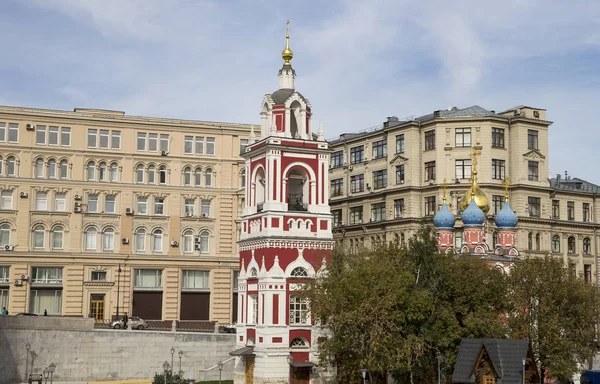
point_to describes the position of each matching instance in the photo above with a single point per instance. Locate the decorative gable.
(534, 154)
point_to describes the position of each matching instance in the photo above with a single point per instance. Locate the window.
(151, 174)
(110, 204)
(532, 168)
(570, 210)
(162, 174)
(164, 143)
(243, 176)
(299, 313)
(41, 201)
(188, 241)
(65, 136)
(586, 212)
(205, 208)
(463, 137)
(140, 240)
(153, 142)
(252, 309)
(534, 206)
(6, 200)
(398, 208)
(337, 217)
(587, 273)
(195, 280)
(463, 169)
(400, 174)
(204, 242)
(208, 177)
(115, 139)
(2, 131)
(159, 206)
(39, 168)
(98, 276)
(141, 141)
(430, 140)
(497, 203)
(188, 145)
(140, 174)
(430, 206)
(92, 138)
(210, 145)
(379, 149)
(10, 166)
(380, 179)
(52, 169)
(357, 154)
(48, 300)
(102, 171)
(430, 171)
(537, 241)
(114, 172)
(357, 183)
(187, 176)
(356, 215)
(91, 171)
(38, 236)
(532, 139)
(57, 237)
(378, 211)
(188, 207)
(299, 272)
(299, 342)
(46, 275)
(4, 234)
(530, 241)
(497, 137)
(64, 169)
(60, 202)
(142, 205)
(555, 243)
(198, 177)
(52, 135)
(337, 159)
(13, 132)
(556, 209)
(498, 169)
(108, 239)
(587, 246)
(243, 145)
(40, 134)
(91, 237)
(571, 244)
(92, 203)
(157, 240)
(400, 143)
(147, 278)
(104, 138)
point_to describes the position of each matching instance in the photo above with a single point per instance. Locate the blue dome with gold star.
(473, 216)
(444, 219)
(506, 218)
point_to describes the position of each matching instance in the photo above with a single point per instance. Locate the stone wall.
(83, 354)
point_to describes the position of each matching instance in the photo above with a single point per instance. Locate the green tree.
(557, 311)
(393, 309)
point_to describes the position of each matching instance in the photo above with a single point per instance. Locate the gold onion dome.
(287, 53)
(474, 192)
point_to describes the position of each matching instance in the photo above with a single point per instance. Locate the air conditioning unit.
(125, 240)
(350, 168)
(24, 277)
(77, 208)
(536, 114)
(188, 214)
(128, 211)
(24, 195)
(18, 283)
(174, 243)
(9, 247)
(204, 215)
(77, 197)
(29, 127)
(197, 243)
(164, 153)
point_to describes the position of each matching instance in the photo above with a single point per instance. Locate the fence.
(172, 325)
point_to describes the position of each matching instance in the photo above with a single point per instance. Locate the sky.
(356, 61)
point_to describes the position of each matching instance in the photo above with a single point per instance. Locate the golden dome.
(287, 53)
(474, 192)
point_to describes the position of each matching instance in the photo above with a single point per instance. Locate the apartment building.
(385, 181)
(102, 212)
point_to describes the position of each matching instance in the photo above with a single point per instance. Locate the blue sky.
(357, 61)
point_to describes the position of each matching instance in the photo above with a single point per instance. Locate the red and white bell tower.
(285, 238)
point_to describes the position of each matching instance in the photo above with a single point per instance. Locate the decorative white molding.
(295, 244)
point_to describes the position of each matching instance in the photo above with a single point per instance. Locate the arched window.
(52, 169)
(204, 242)
(587, 246)
(139, 171)
(108, 239)
(243, 174)
(299, 272)
(530, 241)
(571, 244)
(57, 237)
(198, 177)
(299, 313)
(91, 237)
(140, 240)
(102, 171)
(298, 342)
(402, 240)
(64, 169)
(157, 241)
(537, 242)
(114, 172)
(162, 174)
(187, 176)
(11, 169)
(208, 177)
(38, 236)
(39, 168)
(91, 170)
(151, 174)
(495, 238)
(4, 234)
(188, 241)
(555, 243)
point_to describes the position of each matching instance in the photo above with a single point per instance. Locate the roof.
(519, 107)
(281, 95)
(244, 351)
(506, 355)
(573, 184)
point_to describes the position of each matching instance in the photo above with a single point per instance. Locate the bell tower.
(285, 238)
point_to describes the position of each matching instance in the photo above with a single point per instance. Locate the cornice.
(247, 245)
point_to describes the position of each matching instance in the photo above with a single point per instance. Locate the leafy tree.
(172, 378)
(393, 309)
(557, 311)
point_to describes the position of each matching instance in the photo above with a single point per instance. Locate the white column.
(287, 132)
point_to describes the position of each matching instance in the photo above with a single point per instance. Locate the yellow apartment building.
(100, 210)
(384, 181)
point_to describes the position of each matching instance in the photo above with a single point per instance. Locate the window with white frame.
(39, 234)
(57, 237)
(142, 205)
(98, 276)
(41, 201)
(65, 136)
(210, 145)
(187, 176)
(104, 141)
(13, 132)
(162, 174)
(157, 240)
(243, 145)
(11, 166)
(39, 168)
(252, 309)
(4, 273)
(151, 174)
(114, 172)
(4, 234)
(91, 238)
(208, 174)
(102, 171)
(92, 204)
(196, 280)
(299, 313)
(299, 272)
(141, 141)
(40, 134)
(147, 278)
(6, 201)
(64, 169)
(110, 205)
(204, 236)
(52, 169)
(46, 275)
(298, 342)
(139, 171)
(188, 241)
(45, 301)
(188, 207)
(92, 140)
(115, 139)
(91, 171)
(140, 240)
(198, 177)
(205, 211)
(60, 202)
(108, 239)
(159, 206)
(243, 176)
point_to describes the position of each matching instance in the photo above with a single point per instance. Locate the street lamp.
(363, 372)
(51, 367)
(220, 365)
(524, 361)
(290, 360)
(180, 354)
(27, 347)
(46, 373)
(166, 369)
(172, 356)
(118, 289)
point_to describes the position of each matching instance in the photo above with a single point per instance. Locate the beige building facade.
(99, 210)
(385, 181)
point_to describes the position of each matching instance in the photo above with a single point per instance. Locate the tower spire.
(506, 185)
(444, 189)
(287, 53)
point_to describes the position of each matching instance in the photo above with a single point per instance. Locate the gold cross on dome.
(506, 184)
(444, 189)
(476, 152)
(288, 29)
